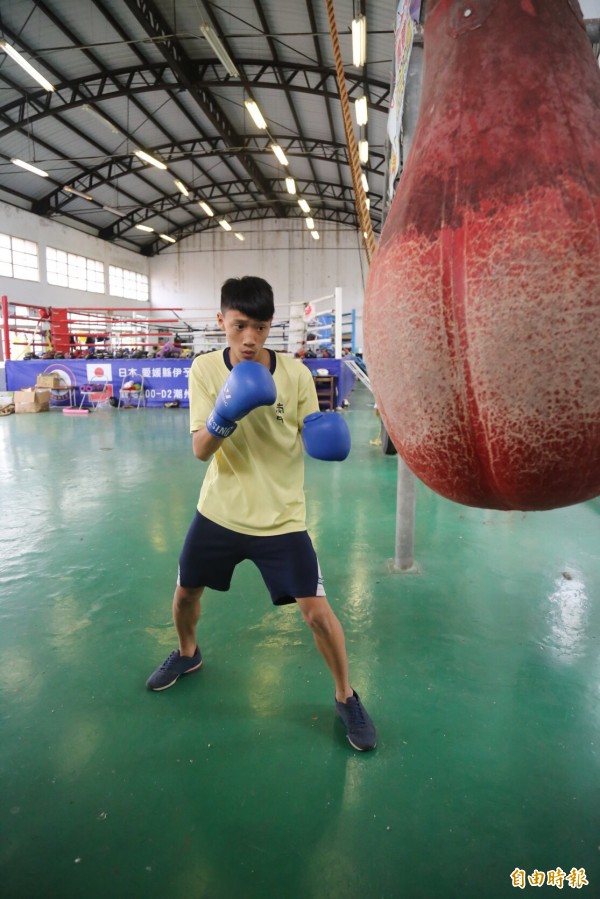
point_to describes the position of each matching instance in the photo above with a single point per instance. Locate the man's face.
(245, 336)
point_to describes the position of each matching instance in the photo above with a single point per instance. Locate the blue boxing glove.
(326, 436)
(248, 386)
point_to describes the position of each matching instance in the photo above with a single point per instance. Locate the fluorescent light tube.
(279, 154)
(143, 227)
(365, 183)
(225, 224)
(181, 186)
(168, 238)
(363, 151)
(206, 208)
(360, 109)
(100, 117)
(256, 114)
(30, 168)
(78, 193)
(222, 55)
(314, 235)
(368, 202)
(239, 235)
(290, 185)
(359, 41)
(310, 224)
(304, 206)
(141, 154)
(37, 76)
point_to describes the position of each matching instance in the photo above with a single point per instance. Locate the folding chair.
(95, 393)
(131, 392)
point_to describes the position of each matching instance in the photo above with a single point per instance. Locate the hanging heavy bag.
(482, 310)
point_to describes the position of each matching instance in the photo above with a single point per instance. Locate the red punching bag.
(482, 311)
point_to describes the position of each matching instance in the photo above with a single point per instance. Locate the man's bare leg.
(329, 637)
(186, 614)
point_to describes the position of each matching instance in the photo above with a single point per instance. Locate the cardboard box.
(6, 398)
(32, 399)
(7, 405)
(52, 381)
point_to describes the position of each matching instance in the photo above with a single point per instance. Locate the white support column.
(338, 322)
(404, 559)
(297, 326)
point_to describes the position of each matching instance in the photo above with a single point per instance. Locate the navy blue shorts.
(287, 562)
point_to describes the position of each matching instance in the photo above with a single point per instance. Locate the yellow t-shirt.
(255, 480)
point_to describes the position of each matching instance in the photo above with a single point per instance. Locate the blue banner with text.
(162, 380)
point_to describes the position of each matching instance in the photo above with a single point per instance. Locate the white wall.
(45, 232)
(590, 8)
(189, 274)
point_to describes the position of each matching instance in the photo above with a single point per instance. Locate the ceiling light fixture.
(181, 186)
(225, 224)
(314, 235)
(37, 76)
(78, 193)
(368, 202)
(363, 151)
(361, 112)
(279, 154)
(114, 211)
(303, 205)
(30, 168)
(144, 228)
(141, 154)
(256, 114)
(239, 235)
(290, 185)
(365, 183)
(310, 224)
(359, 41)
(168, 238)
(223, 56)
(101, 118)
(206, 208)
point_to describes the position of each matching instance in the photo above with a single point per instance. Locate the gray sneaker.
(173, 668)
(360, 729)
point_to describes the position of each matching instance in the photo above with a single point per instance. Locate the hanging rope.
(364, 218)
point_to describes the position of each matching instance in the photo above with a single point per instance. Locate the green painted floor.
(482, 673)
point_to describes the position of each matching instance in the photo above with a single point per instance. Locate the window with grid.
(124, 283)
(19, 258)
(77, 272)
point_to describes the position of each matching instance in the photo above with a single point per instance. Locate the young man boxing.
(252, 413)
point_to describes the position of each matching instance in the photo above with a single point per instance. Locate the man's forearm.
(205, 444)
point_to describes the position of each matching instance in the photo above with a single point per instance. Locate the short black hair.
(249, 295)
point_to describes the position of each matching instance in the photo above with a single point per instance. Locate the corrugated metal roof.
(138, 74)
